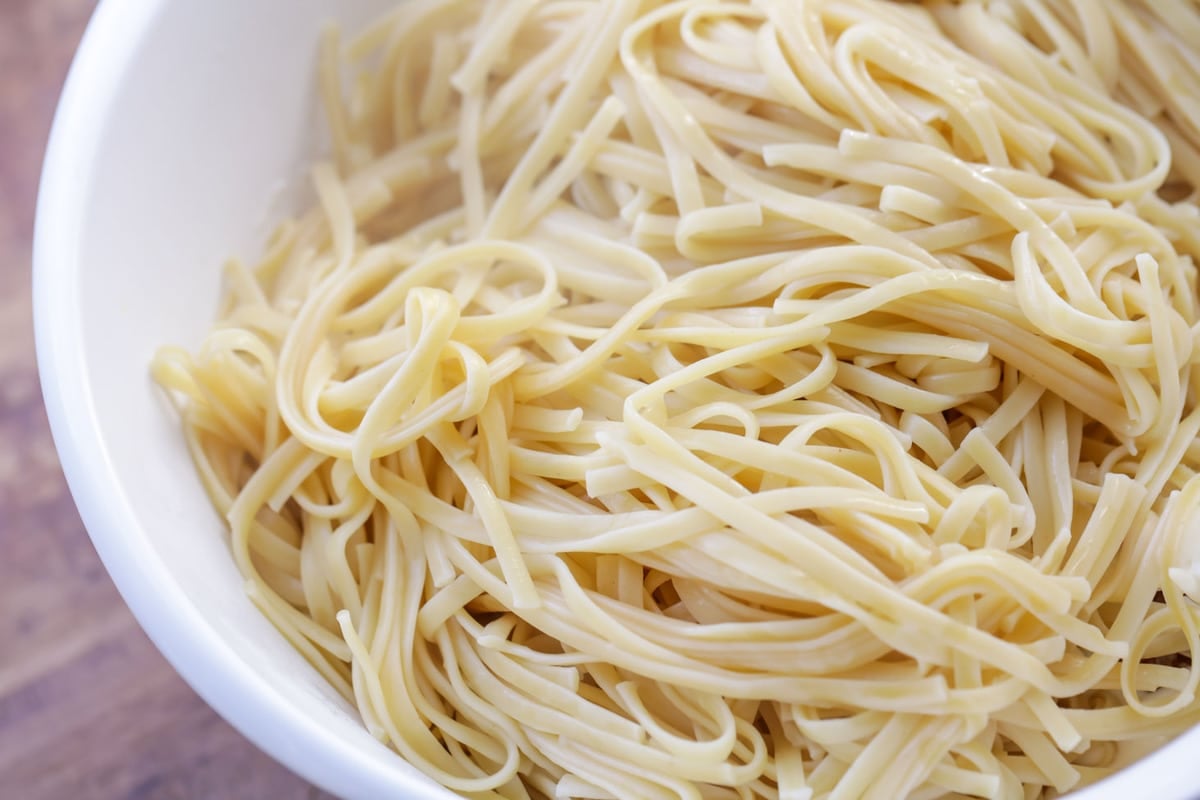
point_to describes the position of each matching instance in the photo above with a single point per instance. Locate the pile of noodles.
(781, 399)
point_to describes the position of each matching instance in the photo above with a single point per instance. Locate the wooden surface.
(88, 708)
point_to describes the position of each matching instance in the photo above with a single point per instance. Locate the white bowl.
(179, 140)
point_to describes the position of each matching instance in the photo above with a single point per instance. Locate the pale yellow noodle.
(733, 399)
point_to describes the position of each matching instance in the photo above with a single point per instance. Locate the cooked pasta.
(726, 399)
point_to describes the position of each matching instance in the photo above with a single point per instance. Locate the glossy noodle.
(783, 399)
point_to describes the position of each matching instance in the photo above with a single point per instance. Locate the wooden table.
(88, 708)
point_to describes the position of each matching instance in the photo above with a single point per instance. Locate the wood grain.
(88, 708)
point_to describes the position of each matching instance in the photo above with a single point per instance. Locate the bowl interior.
(183, 136)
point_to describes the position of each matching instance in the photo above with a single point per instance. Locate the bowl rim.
(245, 698)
